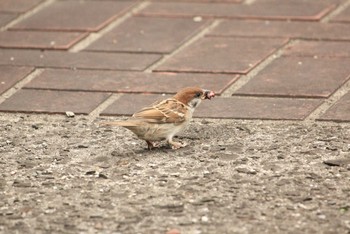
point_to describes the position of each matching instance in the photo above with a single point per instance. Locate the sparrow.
(164, 119)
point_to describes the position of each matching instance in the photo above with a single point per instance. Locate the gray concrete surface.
(68, 175)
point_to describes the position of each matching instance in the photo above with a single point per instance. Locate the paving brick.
(136, 82)
(344, 16)
(302, 30)
(319, 49)
(9, 76)
(340, 111)
(141, 34)
(128, 104)
(46, 101)
(18, 5)
(235, 107)
(262, 9)
(75, 15)
(39, 40)
(258, 108)
(222, 55)
(83, 60)
(6, 18)
(299, 77)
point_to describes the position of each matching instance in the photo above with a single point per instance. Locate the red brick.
(262, 9)
(344, 16)
(73, 15)
(45, 101)
(235, 107)
(258, 108)
(136, 82)
(222, 55)
(299, 77)
(319, 49)
(6, 18)
(340, 111)
(18, 5)
(82, 60)
(9, 76)
(141, 34)
(128, 104)
(39, 40)
(301, 30)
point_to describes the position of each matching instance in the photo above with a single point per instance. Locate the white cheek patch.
(194, 102)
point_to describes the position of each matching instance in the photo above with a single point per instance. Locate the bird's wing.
(167, 111)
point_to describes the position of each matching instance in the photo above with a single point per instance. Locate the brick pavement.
(267, 59)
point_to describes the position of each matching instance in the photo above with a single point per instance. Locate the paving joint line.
(27, 14)
(194, 38)
(94, 36)
(244, 79)
(20, 84)
(97, 111)
(341, 7)
(248, 2)
(329, 102)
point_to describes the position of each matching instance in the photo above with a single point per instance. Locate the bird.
(164, 119)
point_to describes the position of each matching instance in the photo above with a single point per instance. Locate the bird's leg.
(151, 145)
(176, 145)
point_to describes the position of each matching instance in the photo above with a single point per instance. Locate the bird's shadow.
(162, 148)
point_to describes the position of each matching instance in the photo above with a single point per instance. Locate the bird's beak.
(208, 94)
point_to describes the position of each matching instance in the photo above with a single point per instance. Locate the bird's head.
(192, 96)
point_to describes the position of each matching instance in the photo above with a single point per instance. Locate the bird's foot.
(151, 145)
(177, 145)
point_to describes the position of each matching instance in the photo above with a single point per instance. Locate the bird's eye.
(197, 95)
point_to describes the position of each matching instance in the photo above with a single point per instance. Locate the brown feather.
(165, 119)
(162, 112)
(186, 95)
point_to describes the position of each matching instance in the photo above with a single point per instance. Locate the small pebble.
(70, 114)
(197, 19)
(35, 126)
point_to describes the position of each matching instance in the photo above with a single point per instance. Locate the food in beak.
(209, 94)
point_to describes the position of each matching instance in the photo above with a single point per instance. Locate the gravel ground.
(68, 175)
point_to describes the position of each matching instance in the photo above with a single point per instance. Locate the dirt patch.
(68, 175)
